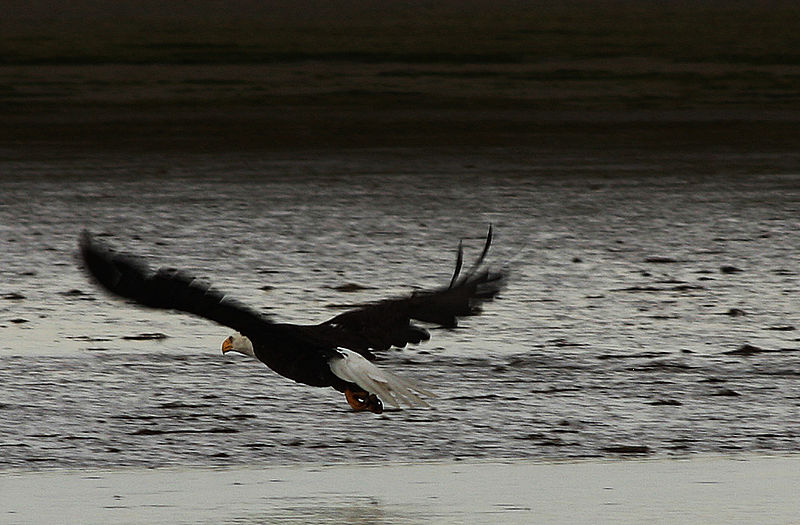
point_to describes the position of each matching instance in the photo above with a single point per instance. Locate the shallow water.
(743, 489)
(610, 339)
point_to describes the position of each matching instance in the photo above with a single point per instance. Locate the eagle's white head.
(238, 343)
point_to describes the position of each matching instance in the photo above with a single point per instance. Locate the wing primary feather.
(477, 264)
(130, 278)
(459, 262)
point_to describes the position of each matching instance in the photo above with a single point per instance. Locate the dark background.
(245, 75)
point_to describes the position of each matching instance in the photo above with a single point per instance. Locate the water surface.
(635, 285)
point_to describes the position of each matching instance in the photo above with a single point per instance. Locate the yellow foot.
(361, 401)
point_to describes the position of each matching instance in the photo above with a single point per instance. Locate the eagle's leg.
(361, 401)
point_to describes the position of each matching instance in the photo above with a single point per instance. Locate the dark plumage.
(325, 354)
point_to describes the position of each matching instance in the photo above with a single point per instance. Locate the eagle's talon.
(361, 401)
(375, 404)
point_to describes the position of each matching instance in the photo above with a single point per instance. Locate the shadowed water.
(635, 287)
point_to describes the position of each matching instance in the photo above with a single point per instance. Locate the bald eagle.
(336, 353)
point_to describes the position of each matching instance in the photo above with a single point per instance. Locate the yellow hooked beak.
(227, 345)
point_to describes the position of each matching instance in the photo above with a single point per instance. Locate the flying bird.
(336, 353)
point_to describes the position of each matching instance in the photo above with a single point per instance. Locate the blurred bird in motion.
(336, 353)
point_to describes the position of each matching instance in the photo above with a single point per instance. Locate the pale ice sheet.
(708, 490)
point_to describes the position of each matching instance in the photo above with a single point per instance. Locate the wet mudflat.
(652, 309)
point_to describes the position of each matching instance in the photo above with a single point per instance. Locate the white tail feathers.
(391, 389)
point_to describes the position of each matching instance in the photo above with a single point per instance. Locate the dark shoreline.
(303, 129)
(142, 76)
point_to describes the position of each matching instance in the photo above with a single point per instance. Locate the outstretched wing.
(131, 278)
(387, 323)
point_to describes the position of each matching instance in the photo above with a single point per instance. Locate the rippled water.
(634, 285)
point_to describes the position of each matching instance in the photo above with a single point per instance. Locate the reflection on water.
(632, 285)
(336, 508)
